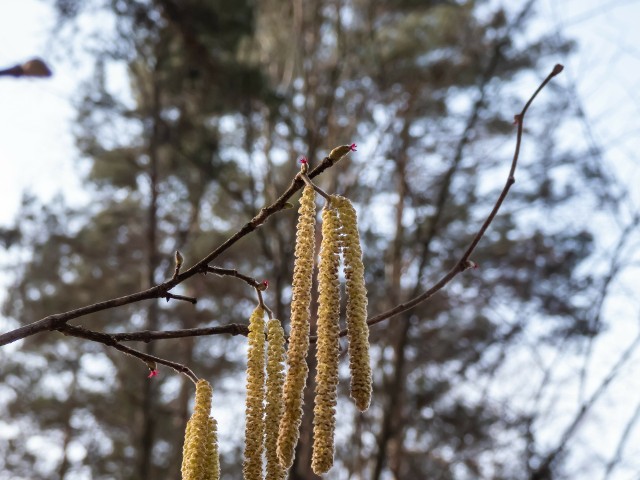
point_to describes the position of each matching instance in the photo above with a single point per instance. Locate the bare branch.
(233, 273)
(148, 335)
(53, 322)
(56, 321)
(465, 263)
(622, 443)
(110, 341)
(168, 296)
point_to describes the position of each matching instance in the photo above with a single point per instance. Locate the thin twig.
(232, 273)
(110, 341)
(168, 296)
(262, 304)
(53, 322)
(622, 443)
(465, 263)
(308, 181)
(150, 335)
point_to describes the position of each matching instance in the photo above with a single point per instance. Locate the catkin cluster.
(299, 335)
(255, 427)
(273, 409)
(357, 328)
(200, 459)
(327, 349)
(339, 237)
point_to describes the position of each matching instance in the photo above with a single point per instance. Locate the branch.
(622, 443)
(53, 322)
(168, 296)
(34, 68)
(149, 335)
(234, 273)
(464, 262)
(110, 341)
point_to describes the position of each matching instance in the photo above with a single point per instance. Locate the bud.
(35, 68)
(339, 152)
(179, 259)
(151, 364)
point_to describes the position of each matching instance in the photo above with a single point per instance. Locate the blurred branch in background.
(34, 68)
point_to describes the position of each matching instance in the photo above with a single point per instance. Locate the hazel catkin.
(273, 409)
(299, 335)
(254, 428)
(200, 452)
(327, 348)
(356, 292)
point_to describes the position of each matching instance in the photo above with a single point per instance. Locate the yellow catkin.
(299, 335)
(273, 413)
(254, 429)
(213, 465)
(357, 328)
(327, 348)
(200, 452)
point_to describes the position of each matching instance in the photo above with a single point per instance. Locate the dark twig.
(168, 296)
(233, 273)
(148, 335)
(321, 192)
(465, 263)
(34, 68)
(53, 322)
(110, 341)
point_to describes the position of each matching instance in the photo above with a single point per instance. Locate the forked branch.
(59, 321)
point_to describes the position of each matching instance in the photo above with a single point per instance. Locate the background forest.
(194, 118)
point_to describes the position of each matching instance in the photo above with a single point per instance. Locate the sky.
(37, 148)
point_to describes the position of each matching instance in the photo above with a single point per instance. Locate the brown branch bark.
(149, 336)
(464, 262)
(59, 321)
(109, 341)
(53, 322)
